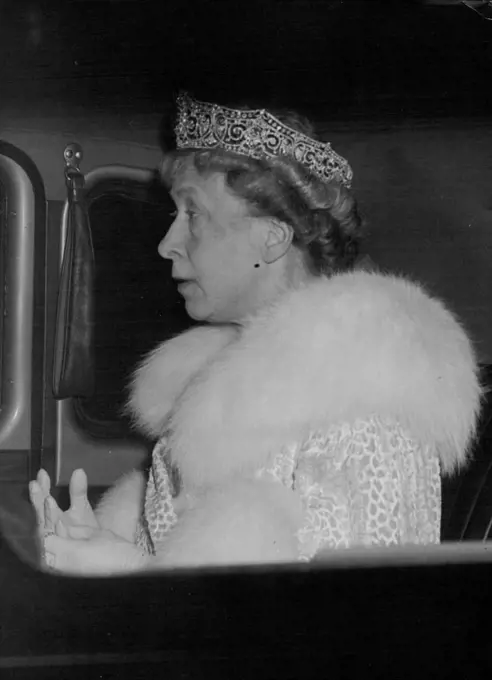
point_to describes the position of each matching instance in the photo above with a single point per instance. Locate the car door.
(135, 303)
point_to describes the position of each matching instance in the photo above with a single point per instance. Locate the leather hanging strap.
(73, 365)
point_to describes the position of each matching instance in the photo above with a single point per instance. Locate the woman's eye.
(191, 214)
(173, 214)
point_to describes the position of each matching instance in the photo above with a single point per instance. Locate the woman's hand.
(80, 512)
(73, 541)
(87, 551)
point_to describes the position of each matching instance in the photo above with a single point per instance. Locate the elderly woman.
(318, 405)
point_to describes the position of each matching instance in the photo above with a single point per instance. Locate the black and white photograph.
(245, 339)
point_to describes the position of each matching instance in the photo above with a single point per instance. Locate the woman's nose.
(170, 246)
(163, 249)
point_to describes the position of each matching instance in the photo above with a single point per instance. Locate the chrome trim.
(15, 413)
(101, 174)
(106, 172)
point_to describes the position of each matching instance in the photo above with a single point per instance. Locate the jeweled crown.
(255, 133)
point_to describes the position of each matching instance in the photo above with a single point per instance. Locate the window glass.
(136, 303)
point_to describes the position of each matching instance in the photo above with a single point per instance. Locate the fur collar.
(332, 351)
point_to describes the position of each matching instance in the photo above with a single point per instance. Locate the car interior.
(85, 295)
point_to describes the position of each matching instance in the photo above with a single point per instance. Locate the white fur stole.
(333, 351)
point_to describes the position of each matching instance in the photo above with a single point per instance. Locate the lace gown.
(367, 483)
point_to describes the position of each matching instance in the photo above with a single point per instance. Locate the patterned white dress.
(366, 483)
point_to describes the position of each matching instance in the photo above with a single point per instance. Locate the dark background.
(329, 58)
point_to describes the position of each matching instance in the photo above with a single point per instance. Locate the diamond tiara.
(255, 133)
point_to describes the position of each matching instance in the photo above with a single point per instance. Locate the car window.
(136, 304)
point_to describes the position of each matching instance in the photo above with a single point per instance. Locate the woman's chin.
(197, 311)
(200, 311)
(195, 305)
(199, 307)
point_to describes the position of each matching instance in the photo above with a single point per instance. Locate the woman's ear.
(278, 240)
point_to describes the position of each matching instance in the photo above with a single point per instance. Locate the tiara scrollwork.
(255, 133)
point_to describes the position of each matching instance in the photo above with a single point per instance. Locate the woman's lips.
(183, 286)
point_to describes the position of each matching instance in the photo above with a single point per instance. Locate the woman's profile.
(317, 405)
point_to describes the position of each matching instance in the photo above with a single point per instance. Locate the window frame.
(78, 445)
(21, 415)
(96, 182)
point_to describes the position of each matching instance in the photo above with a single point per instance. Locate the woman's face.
(212, 249)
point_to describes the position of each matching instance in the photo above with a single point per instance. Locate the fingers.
(61, 530)
(52, 514)
(80, 508)
(39, 490)
(44, 481)
(37, 499)
(78, 487)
